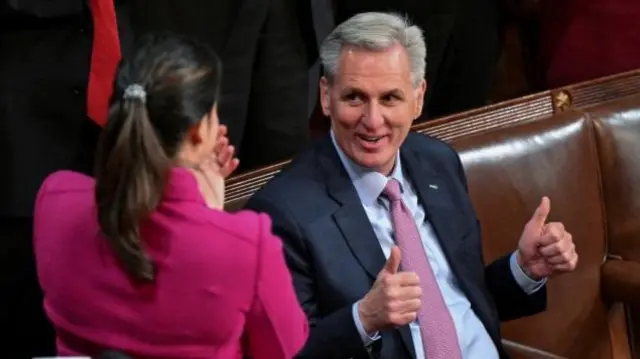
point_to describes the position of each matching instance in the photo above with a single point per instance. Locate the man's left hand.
(545, 249)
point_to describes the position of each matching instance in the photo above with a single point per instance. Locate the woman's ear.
(194, 136)
(188, 154)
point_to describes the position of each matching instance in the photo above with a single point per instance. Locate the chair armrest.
(621, 281)
(521, 351)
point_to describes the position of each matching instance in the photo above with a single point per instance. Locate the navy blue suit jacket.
(334, 255)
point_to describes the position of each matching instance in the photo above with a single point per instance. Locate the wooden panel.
(504, 114)
(597, 91)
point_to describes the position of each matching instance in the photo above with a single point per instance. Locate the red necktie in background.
(104, 59)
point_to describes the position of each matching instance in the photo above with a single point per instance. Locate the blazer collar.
(182, 186)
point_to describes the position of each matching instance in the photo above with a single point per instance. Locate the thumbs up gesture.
(393, 300)
(545, 249)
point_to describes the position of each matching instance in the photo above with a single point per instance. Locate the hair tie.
(135, 91)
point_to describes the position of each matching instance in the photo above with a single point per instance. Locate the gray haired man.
(379, 231)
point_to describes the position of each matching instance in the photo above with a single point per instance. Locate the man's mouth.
(372, 139)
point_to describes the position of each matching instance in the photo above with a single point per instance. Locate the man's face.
(372, 104)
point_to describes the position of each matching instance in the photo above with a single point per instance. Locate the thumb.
(393, 262)
(542, 212)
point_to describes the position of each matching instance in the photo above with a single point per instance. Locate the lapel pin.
(433, 186)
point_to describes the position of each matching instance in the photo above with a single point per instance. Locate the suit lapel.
(444, 217)
(354, 223)
(439, 211)
(351, 218)
(437, 202)
(446, 220)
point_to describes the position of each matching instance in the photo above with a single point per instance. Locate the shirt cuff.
(527, 284)
(366, 339)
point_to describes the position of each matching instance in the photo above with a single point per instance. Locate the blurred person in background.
(47, 51)
(143, 259)
(269, 49)
(586, 39)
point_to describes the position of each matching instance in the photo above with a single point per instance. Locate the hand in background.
(545, 249)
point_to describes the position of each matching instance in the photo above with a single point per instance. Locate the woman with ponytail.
(142, 258)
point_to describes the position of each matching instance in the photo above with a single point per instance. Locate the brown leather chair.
(583, 151)
(617, 126)
(509, 169)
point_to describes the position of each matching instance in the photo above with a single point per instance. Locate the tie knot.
(392, 190)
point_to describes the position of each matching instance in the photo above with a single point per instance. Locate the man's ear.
(325, 98)
(419, 98)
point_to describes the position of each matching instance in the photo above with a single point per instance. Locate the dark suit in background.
(269, 54)
(334, 254)
(463, 44)
(44, 68)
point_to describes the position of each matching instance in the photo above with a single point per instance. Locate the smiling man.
(379, 231)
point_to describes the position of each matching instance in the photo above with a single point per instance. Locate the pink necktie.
(439, 336)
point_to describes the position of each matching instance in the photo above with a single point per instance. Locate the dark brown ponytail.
(167, 88)
(130, 183)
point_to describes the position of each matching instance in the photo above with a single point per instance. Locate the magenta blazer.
(222, 289)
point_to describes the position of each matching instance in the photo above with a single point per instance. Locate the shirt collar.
(368, 183)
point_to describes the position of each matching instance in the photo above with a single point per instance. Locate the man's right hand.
(393, 300)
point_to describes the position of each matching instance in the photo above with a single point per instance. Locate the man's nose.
(373, 116)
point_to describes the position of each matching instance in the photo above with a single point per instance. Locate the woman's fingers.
(225, 155)
(229, 167)
(221, 140)
(222, 131)
(221, 144)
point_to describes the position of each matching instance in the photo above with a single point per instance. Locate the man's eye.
(390, 99)
(352, 98)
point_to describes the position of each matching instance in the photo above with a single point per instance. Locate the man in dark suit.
(372, 190)
(46, 50)
(269, 50)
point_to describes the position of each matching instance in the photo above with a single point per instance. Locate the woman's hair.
(164, 90)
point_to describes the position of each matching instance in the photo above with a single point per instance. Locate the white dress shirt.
(473, 337)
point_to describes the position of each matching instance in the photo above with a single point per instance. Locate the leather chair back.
(617, 127)
(508, 171)
(618, 138)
